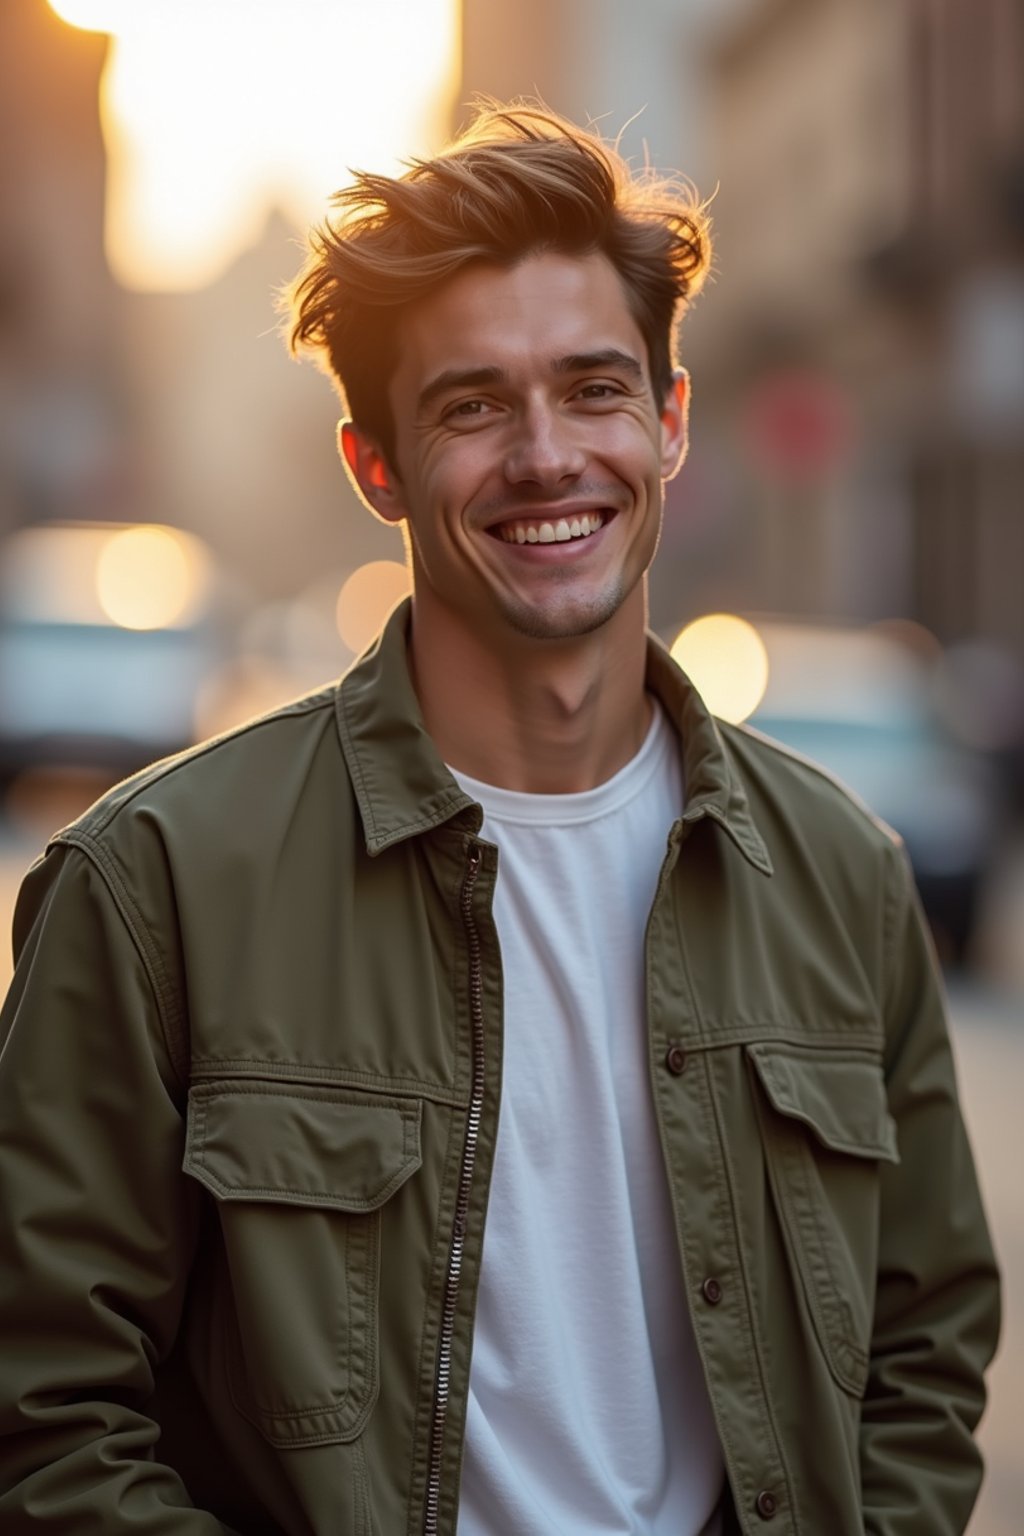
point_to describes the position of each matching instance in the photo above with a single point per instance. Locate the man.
(489, 1093)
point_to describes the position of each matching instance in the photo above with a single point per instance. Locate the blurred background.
(843, 557)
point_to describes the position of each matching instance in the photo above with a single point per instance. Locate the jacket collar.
(403, 788)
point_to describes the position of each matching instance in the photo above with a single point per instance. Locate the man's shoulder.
(232, 782)
(787, 789)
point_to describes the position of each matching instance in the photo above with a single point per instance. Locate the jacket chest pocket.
(299, 1175)
(826, 1129)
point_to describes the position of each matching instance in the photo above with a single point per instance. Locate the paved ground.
(989, 1040)
(988, 1029)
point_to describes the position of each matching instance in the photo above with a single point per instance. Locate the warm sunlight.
(725, 659)
(216, 112)
(151, 577)
(367, 598)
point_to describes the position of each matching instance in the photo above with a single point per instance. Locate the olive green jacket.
(249, 1099)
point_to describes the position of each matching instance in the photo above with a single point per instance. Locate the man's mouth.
(546, 531)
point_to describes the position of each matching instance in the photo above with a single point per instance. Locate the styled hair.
(520, 180)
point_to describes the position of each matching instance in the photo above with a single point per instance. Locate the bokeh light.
(366, 599)
(725, 659)
(150, 577)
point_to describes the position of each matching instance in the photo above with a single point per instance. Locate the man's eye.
(468, 408)
(597, 392)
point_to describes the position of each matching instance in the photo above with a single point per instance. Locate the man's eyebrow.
(457, 378)
(605, 357)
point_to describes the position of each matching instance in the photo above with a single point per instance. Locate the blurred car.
(107, 632)
(859, 702)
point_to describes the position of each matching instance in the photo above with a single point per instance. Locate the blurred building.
(61, 450)
(862, 354)
(634, 71)
(237, 439)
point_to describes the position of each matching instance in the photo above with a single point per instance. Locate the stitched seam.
(208, 1091)
(211, 1068)
(808, 1051)
(362, 1481)
(831, 1339)
(444, 804)
(353, 757)
(721, 1220)
(892, 897)
(442, 811)
(865, 1038)
(753, 1341)
(833, 1329)
(315, 1197)
(866, 1146)
(168, 1013)
(333, 1409)
(343, 1324)
(410, 1124)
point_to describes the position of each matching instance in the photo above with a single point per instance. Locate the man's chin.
(563, 621)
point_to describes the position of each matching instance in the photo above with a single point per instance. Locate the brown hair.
(519, 180)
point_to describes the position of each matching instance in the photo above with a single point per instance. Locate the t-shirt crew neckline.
(513, 806)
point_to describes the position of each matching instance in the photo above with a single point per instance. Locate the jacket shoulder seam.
(168, 1012)
(850, 796)
(107, 810)
(895, 895)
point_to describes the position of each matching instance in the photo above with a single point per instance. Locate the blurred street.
(988, 1029)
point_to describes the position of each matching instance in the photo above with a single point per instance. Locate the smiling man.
(489, 1094)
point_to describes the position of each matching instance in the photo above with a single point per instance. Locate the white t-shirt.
(588, 1412)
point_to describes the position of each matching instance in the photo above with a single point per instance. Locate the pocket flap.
(299, 1145)
(841, 1099)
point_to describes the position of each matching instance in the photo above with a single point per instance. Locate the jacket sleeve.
(97, 1226)
(937, 1303)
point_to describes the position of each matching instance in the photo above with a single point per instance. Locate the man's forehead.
(543, 312)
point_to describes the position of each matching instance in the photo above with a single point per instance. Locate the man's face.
(529, 450)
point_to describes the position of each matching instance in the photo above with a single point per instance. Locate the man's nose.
(544, 450)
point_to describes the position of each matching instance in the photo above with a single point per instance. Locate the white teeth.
(552, 533)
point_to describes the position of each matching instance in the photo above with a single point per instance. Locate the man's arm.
(937, 1305)
(97, 1226)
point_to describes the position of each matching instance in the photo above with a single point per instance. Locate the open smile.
(538, 530)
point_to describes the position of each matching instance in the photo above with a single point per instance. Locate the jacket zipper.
(451, 1290)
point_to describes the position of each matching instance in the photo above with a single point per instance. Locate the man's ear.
(675, 424)
(370, 473)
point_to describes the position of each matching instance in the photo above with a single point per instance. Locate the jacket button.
(713, 1294)
(675, 1059)
(766, 1504)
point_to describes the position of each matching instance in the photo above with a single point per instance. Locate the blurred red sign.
(797, 424)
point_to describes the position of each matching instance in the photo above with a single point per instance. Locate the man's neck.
(543, 717)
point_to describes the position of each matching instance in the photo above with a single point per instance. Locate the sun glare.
(215, 112)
